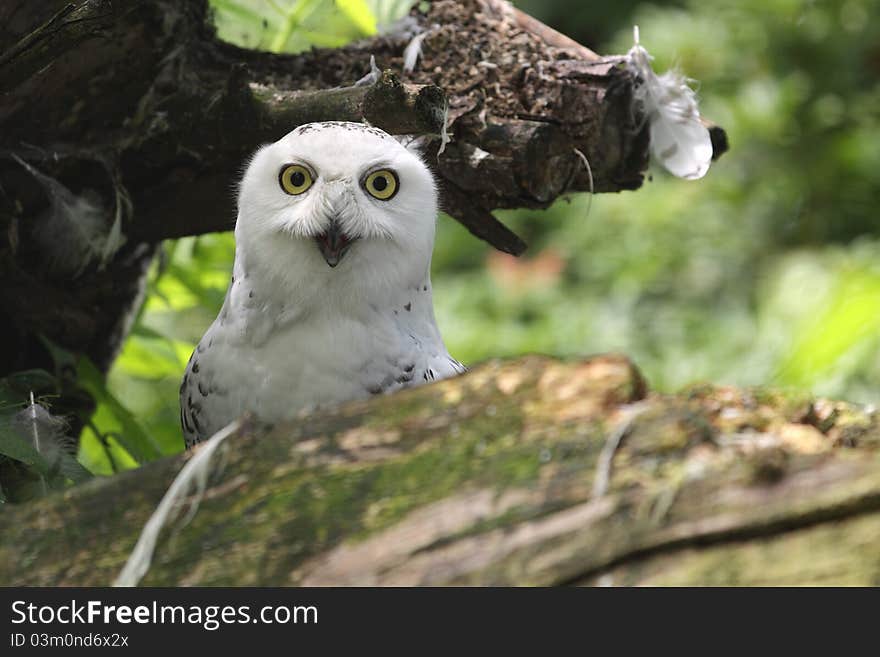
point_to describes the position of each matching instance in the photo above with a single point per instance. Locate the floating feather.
(679, 140)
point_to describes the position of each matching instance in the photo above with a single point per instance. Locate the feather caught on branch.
(412, 52)
(37, 424)
(679, 140)
(73, 232)
(44, 444)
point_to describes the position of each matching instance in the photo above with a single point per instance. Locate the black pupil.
(380, 183)
(297, 179)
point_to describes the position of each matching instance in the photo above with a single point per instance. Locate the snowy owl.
(330, 297)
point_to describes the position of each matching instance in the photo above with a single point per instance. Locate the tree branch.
(388, 104)
(522, 99)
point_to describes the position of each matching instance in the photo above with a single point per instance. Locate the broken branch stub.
(389, 104)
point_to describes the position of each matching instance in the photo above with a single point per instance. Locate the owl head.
(336, 204)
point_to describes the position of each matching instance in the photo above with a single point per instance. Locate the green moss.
(306, 512)
(287, 497)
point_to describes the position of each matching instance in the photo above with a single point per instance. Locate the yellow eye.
(295, 179)
(381, 184)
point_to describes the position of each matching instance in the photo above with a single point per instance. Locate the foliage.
(293, 26)
(766, 271)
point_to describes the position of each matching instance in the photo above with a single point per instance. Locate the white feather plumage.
(679, 140)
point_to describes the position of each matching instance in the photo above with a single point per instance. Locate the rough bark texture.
(138, 105)
(529, 472)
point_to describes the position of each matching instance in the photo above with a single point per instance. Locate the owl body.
(330, 298)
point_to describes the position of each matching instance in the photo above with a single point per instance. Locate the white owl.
(330, 298)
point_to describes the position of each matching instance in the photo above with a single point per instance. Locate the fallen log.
(528, 472)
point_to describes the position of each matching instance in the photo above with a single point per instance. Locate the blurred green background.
(764, 272)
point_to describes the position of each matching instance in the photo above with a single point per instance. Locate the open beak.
(333, 244)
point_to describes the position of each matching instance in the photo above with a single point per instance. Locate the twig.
(480, 222)
(38, 34)
(586, 163)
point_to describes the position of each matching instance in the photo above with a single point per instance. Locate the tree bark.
(534, 471)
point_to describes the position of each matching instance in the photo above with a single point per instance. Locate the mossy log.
(530, 472)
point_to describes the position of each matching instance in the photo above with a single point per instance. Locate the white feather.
(193, 475)
(48, 435)
(679, 140)
(412, 52)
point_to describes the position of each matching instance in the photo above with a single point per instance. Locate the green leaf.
(239, 11)
(292, 21)
(151, 356)
(359, 13)
(103, 455)
(848, 316)
(388, 11)
(241, 24)
(69, 468)
(15, 387)
(203, 285)
(136, 441)
(59, 467)
(12, 446)
(324, 40)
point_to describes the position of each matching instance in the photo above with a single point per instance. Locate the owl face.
(333, 199)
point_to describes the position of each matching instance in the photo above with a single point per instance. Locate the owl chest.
(311, 365)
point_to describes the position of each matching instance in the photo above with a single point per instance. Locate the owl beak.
(333, 244)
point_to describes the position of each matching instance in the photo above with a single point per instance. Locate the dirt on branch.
(534, 471)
